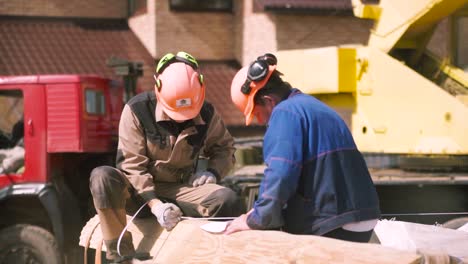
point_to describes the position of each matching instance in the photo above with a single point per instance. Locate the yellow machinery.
(407, 109)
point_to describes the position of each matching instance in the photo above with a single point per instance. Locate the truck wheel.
(456, 223)
(23, 244)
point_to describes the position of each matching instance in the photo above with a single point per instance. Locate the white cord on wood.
(126, 227)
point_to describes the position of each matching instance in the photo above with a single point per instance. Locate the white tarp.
(422, 238)
(464, 228)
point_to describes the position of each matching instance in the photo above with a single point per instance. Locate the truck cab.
(66, 125)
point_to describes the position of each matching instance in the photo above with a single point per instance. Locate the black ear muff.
(258, 70)
(246, 89)
(269, 58)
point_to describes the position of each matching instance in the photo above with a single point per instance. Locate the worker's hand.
(168, 214)
(202, 177)
(238, 224)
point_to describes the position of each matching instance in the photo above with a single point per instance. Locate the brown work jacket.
(145, 162)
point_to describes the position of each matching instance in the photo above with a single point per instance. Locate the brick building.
(54, 36)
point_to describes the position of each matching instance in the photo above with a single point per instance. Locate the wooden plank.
(189, 243)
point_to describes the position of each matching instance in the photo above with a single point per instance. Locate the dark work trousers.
(111, 189)
(343, 234)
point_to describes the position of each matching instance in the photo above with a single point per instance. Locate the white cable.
(207, 218)
(183, 217)
(126, 227)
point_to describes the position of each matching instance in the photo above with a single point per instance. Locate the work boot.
(134, 259)
(126, 247)
(127, 251)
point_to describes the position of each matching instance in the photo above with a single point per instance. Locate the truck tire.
(456, 223)
(21, 244)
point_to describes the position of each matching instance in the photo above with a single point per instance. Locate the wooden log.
(188, 243)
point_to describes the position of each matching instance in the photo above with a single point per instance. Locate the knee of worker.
(107, 187)
(103, 178)
(223, 202)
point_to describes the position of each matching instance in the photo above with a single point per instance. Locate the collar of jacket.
(294, 91)
(161, 116)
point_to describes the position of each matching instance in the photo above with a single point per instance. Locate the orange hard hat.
(248, 81)
(179, 87)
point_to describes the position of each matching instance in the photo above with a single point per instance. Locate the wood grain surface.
(188, 243)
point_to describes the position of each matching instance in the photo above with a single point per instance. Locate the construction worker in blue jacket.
(316, 180)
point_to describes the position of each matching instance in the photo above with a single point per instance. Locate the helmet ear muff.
(269, 58)
(170, 58)
(158, 84)
(201, 78)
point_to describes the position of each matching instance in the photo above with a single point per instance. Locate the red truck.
(69, 126)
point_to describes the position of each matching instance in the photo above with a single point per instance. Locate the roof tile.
(218, 77)
(64, 46)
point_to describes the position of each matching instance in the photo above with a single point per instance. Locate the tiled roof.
(65, 46)
(218, 77)
(318, 6)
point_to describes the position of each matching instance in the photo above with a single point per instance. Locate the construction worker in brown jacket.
(161, 136)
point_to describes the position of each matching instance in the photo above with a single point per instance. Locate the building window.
(95, 102)
(201, 6)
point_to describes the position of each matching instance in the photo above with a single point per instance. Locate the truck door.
(22, 125)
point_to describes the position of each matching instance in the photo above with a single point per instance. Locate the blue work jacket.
(315, 179)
